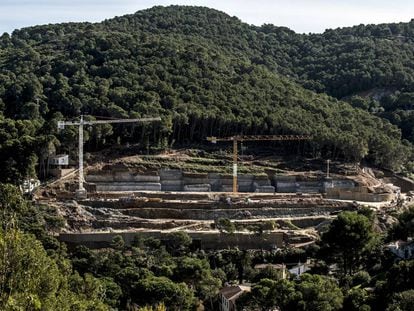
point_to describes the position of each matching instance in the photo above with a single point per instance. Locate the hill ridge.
(201, 84)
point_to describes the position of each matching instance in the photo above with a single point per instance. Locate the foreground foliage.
(37, 273)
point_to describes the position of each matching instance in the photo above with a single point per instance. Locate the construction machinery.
(81, 192)
(240, 138)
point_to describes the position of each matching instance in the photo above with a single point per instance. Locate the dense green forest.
(352, 270)
(205, 73)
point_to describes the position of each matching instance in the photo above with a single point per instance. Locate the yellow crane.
(235, 139)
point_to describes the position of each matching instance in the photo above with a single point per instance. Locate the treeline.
(202, 71)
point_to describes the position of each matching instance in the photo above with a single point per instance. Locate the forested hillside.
(204, 73)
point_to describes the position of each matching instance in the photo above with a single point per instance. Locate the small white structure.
(299, 269)
(402, 249)
(229, 295)
(29, 185)
(59, 159)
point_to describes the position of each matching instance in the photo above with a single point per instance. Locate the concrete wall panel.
(198, 188)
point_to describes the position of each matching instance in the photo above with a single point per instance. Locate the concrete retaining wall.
(343, 183)
(195, 181)
(227, 188)
(286, 187)
(121, 177)
(310, 186)
(262, 181)
(358, 194)
(176, 180)
(170, 174)
(204, 240)
(198, 188)
(404, 183)
(263, 189)
(99, 178)
(171, 180)
(289, 184)
(226, 181)
(128, 186)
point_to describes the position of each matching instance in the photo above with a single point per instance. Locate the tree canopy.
(204, 73)
(349, 238)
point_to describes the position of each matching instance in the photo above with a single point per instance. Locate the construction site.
(270, 201)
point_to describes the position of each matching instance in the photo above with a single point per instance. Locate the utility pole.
(81, 192)
(327, 168)
(242, 138)
(235, 155)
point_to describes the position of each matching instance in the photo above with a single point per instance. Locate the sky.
(303, 16)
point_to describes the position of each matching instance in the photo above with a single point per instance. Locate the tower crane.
(235, 139)
(81, 192)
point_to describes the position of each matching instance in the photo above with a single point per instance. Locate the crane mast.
(81, 192)
(235, 139)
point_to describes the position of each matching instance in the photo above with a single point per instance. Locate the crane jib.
(81, 192)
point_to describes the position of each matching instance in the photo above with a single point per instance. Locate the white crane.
(81, 192)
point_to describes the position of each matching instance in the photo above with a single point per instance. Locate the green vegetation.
(225, 225)
(32, 278)
(311, 293)
(349, 238)
(199, 161)
(405, 226)
(38, 273)
(206, 74)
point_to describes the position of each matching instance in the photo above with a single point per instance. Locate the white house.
(299, 269)
(59, 159)
(402, 249)
(229, 295)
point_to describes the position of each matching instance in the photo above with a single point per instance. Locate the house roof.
(267, 265)
(400, 244)
(233, 292)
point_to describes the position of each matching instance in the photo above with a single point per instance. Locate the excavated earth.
(138, 211)
(298, 216)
